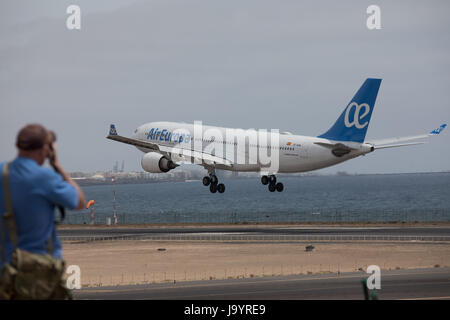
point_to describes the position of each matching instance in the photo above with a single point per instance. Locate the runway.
(416, 284)
(432, 283)
(257, 232)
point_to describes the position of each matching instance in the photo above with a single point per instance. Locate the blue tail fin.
(353, 122)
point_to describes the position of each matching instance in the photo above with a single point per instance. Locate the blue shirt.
(35, 191)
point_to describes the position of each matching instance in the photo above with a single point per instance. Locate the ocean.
(355, 198)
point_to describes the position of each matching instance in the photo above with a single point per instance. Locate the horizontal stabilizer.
(398, 142)
(398, 145)
(334, 145)
(338, 149)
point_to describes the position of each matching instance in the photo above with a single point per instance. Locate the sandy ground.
(133, 262)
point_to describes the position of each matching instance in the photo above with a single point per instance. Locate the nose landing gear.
(272, 182)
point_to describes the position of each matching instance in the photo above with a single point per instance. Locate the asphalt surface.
(428, 284)
(121, 232)
(415, 231)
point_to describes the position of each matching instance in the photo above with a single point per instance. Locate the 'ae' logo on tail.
(353, 122)
(356, 115)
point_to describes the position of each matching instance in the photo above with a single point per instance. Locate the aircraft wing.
(399, 142)
(178, 155)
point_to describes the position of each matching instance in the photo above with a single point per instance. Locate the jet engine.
(156, 163)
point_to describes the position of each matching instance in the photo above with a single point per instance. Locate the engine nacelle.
(156, 163)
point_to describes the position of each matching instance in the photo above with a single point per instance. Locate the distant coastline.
(111, 178)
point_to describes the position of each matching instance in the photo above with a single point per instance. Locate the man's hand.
(52, 157)
(54, 162)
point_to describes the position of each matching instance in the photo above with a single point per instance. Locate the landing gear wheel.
(264, 180)
(206, 181)
(213, 188)
(214, 179)
(221, 188)
(272, 179)
(271, 187)
(279, 186)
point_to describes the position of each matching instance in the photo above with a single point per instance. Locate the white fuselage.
(295, 153)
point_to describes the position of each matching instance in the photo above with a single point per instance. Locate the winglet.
(439, 130)
(112, 130)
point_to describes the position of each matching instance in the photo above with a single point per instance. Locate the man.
(35, 190)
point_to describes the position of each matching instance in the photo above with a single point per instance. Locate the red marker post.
(90, 204)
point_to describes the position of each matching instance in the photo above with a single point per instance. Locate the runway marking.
(247, 293)
(428, 298)
(97, 291)
(351, 285)
(243, 293)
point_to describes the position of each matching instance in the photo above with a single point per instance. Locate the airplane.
(167, 145)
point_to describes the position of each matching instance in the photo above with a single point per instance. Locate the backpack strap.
(8, 220)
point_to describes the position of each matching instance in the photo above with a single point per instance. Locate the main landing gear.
(213, 183)
(272, 182)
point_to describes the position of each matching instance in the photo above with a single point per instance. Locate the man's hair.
(32, 137)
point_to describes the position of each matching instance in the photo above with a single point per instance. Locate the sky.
(287, 65)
